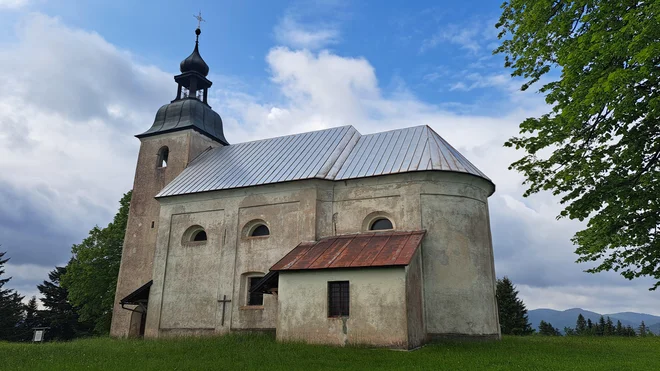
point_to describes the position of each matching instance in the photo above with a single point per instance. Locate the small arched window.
(163, 155)
(259, 231)
(199, 236)
(381, 224)
(194, 235)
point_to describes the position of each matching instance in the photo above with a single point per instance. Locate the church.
(328, 237)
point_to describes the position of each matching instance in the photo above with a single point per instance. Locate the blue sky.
(429, 46)
(81, 78)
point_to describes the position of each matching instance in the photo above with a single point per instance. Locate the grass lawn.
(261, 352)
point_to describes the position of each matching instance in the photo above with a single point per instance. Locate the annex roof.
(140, 295)
(375, 249)
(339, 153)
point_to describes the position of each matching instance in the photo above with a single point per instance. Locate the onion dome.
(194, 62)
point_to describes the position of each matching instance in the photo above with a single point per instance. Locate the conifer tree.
(580, 325)
(11, 307)
(31, 319)
(630, 332)
(546, 329)
(512, 310)
(641, 330)
(609, 327)
(619, 329)
(590, 328)
(59, 314)
(600, 329)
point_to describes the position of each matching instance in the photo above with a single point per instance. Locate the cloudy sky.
(81, 78)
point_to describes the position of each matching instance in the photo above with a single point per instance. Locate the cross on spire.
(199, 19)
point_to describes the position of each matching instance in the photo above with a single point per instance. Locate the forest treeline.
(514, 320)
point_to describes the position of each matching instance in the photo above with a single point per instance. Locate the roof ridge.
(293, 135)
(399, 129)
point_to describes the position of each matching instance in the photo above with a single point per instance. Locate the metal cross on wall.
(199, 19)
(224, 302)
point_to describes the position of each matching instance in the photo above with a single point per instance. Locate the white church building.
(329, 237)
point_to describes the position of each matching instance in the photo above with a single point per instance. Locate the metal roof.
(186, 114)
(417, 148)
(334, 154)
(376, 249)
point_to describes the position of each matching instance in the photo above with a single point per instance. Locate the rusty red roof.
(375, 249)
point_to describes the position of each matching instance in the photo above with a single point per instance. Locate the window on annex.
(381, 224)
(338, 299)
(163, 155)
(254, 298)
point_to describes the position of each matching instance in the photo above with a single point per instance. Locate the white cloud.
(464, 36)
(291, 32)
(476, 81)
(13, 4)
(473, 36)
(66, 148)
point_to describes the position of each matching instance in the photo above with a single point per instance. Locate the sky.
(80, 79)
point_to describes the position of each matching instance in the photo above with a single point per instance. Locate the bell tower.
(182, 129)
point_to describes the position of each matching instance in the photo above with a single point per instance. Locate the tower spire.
(192, 80)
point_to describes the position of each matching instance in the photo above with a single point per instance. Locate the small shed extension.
(352, 289)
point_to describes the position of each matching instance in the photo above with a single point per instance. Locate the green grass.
(261, 352)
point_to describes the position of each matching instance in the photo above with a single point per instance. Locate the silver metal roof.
(334, 154)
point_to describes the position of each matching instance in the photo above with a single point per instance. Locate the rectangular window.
(338, 299)
(254, 298)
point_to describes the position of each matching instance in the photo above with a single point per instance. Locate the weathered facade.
(207, 227)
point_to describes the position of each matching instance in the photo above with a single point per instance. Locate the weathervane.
(199, 19)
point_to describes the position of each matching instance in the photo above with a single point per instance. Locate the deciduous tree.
(91, 276)
(598, 147)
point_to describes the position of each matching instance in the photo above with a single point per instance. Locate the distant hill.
(567, 318)
(636, 317)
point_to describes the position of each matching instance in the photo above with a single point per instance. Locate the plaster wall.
(202, 276)
(454, 266)
(377, 314)
(136, 265)
(415, 302)
(458, 266)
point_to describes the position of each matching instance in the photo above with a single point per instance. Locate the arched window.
(381, 224)
(199, 236)
(255, 228)
(194, 235)
(163, 155)
(260, 230)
